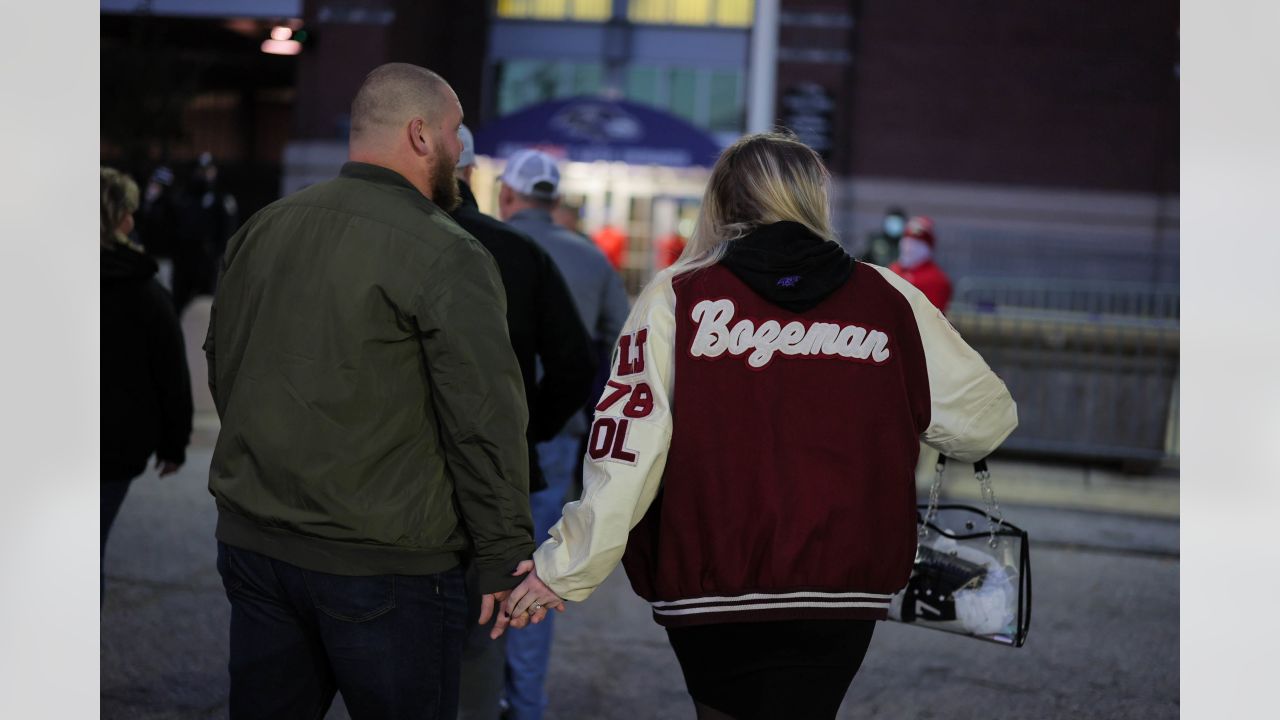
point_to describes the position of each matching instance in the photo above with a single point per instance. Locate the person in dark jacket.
(882, 245)
(541, 318)
(373, 425)
(146, 389)
(207, 215)
(158, 222)
(545, 329)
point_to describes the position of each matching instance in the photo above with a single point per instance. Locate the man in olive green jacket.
(373, 425)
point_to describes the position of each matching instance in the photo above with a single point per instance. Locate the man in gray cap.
(530, 192)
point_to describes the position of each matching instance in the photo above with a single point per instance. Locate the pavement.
(1103, 642)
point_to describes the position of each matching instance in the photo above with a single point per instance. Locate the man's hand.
(530, 595)
(486, 604)
(488, 599)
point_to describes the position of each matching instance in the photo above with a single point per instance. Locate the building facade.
(1042, 139)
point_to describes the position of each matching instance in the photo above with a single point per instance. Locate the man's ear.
(419, 137)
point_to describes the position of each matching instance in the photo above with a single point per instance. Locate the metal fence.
(1093, 366)
(1095, 299)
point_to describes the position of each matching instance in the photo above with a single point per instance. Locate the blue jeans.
(390, 643)
(529, 650)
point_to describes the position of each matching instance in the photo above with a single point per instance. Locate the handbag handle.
(995, 519)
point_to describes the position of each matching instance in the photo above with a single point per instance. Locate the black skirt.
(796, 669)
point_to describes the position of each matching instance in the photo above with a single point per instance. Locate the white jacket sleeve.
(626, 452)
(971, 411)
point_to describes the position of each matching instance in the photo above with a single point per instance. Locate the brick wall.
(1077, 94)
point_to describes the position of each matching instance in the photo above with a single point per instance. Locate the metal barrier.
(1093, 367)
(1103, 299)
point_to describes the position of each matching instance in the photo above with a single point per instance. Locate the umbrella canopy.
(587, 129)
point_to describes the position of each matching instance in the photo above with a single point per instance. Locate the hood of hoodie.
(121, 264)
(788, 265)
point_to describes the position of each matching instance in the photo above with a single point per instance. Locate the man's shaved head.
(406, 118)
(395, 93)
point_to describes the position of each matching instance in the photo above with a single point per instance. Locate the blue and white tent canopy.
(587, 129)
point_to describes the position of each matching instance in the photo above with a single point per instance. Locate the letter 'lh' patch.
(631, 352)
(718, 334)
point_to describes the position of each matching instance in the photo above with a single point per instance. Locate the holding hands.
(527, 603)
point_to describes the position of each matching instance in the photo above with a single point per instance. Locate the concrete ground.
(1103, 640)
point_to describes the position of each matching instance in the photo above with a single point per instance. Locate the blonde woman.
(751, 461)
(146, 391)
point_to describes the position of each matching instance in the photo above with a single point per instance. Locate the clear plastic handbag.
(972, 572)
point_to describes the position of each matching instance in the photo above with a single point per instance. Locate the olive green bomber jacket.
(373, 413)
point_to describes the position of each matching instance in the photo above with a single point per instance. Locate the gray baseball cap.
(533, 173)
(468, 155)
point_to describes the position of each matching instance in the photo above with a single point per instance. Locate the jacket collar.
(537, 215)
(375, 174)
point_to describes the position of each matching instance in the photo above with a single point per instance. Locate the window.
(682, 91)
(587, 78)
(710, 99)
(579, 10)
(726, 102)
(642, 85)
(525, 82)
(726, 13)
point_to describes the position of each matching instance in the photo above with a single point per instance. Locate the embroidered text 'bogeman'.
(716, 336)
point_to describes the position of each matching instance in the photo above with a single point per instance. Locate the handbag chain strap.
(922, 532)
(995, 519)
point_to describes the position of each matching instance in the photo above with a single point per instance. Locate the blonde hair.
(119, 198)
(759, 180)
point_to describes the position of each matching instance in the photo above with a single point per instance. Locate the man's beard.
(444, 185)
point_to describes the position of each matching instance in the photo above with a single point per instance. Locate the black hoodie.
(788, 265)
(146, 389)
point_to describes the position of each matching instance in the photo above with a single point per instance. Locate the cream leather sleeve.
(626, 452)
(971, 409)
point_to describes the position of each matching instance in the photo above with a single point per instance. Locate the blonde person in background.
(146, 389)
(751, 458)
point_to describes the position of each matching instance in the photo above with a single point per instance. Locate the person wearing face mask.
(882, 246)
(915, 263)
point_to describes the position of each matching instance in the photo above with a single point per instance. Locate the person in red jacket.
(669, 248)
(915, 263)
(613, 243)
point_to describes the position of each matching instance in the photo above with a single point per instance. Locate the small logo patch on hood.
(789, 281)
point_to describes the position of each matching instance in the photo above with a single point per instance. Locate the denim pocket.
(351, 598)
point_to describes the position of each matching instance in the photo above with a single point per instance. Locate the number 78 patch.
(608, 438)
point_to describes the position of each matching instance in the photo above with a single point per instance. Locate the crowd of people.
(410, 393)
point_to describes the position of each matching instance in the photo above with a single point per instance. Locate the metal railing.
(1093, 366)
(1098, 299)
